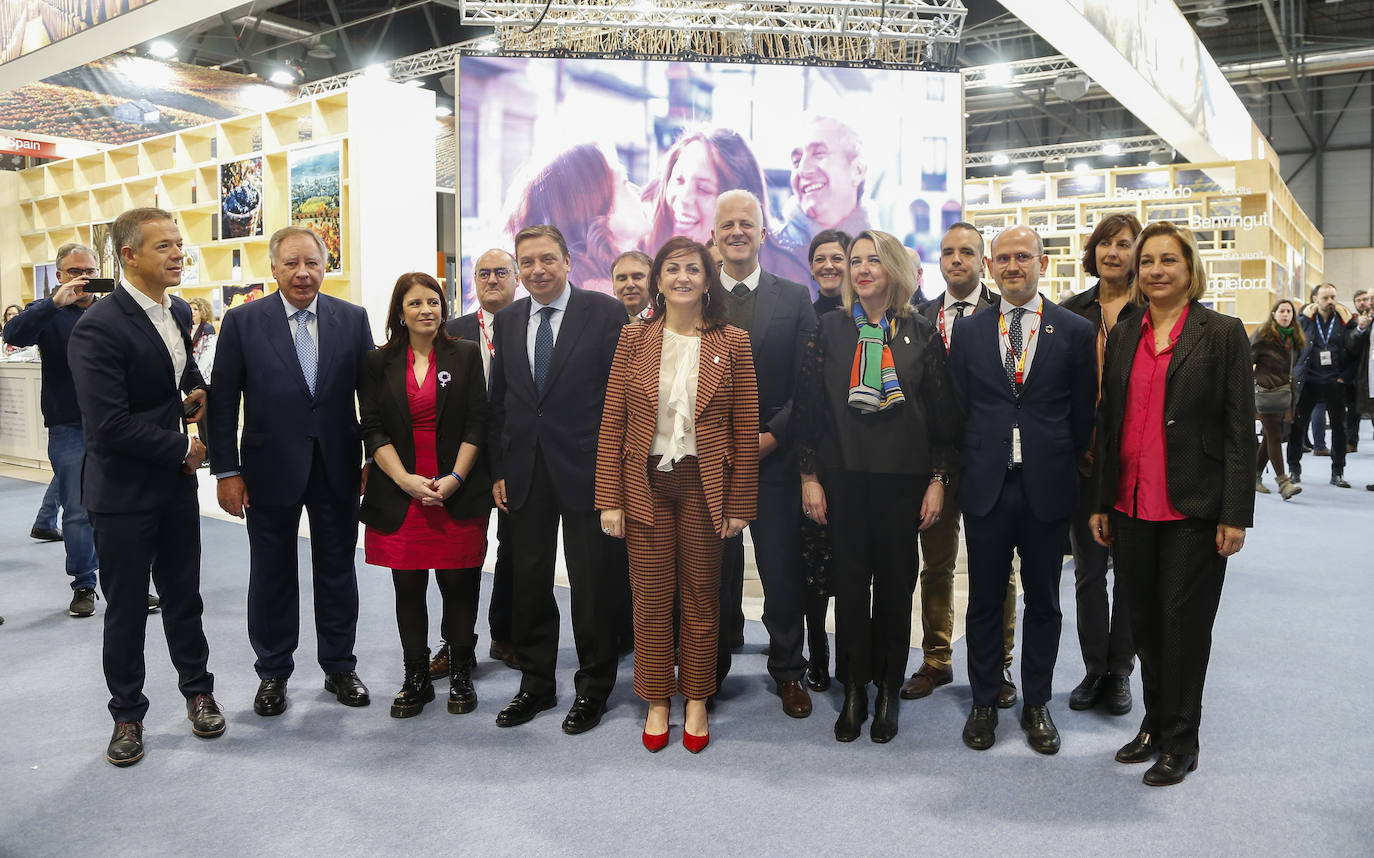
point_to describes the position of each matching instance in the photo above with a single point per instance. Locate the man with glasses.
(47, 323)
(494, 279)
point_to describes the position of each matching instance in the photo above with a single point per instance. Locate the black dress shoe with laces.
(523, 707)
(271, 697)
(347, 688)
(45, 534)
(1041, 733)
(1141, 749)
(584, 715)
(1088, 692)
(1170, 769)
(1118, 694)
(207, 721)
(980, 730)
(126, 745)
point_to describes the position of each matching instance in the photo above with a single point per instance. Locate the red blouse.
(1143, 487)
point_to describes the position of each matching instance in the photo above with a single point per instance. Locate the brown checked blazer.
(727, 424)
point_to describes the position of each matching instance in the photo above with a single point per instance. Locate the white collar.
(143, 300)
(971, 300)
(1034, 305)
(560, 303)
(313, 308)
(751, 281)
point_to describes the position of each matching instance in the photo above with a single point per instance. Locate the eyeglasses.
(1006, 258)
(78, 272)
(499, 273)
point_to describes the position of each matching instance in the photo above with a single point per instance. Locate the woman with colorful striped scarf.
(877, 435)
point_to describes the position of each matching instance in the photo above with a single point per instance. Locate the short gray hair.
(274, 243)
(740, 194)
(74, 247)
(127, 229)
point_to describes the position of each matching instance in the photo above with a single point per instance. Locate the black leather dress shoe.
(523, 707)
(1170, 769)
(885, 713)
(126, 745)
(584, 715)
(1041, 733)
(1088, 692)
(853, 713)
(1006, 696)
(48, 534)
(207, 721)
(271, 697)
(1118, 694)
(347, 688)
(980, 730)
(1141, 749)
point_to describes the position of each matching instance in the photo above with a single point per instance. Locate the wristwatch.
(941, 478)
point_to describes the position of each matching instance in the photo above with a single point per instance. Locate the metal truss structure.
(424, 64)
(1017, 72)
(1064, 151)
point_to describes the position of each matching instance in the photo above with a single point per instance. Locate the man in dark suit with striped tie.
(1027, 377)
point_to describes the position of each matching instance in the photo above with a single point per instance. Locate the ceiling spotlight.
(1212, 16)
(1112, 149)
(162, 49)
(488, 45)
(1152, 163)
(1000, 159)
(1071, 86)
(999, 74)
(1018, 173)
(443, 110)
(1082, 167)
(377, 71)
(321, 51)
(415, 82)
(1055, 164)
(282, 77)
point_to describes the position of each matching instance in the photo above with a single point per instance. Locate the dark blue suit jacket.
(783, 322)
(130, 405)
(1055, 410)
(255, 361)
(565, 421)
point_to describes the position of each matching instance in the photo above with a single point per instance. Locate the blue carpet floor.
(1285, 764)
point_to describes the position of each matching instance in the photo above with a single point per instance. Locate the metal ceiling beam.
(1310, 126)
(1085, 148)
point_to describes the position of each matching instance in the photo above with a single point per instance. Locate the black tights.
(1271, 447)
(458, 589)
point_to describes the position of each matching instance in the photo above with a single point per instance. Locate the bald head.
(494, 278)
(1017, 261)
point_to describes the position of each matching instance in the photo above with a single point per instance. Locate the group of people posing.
(1119, 425)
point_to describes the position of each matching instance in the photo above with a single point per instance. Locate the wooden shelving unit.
(1257, 244)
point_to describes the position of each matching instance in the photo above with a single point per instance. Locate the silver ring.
(606, 530)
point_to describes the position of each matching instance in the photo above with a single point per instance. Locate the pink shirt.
(1143, 484)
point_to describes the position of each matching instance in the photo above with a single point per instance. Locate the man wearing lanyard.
(494, 278)
(1324, 371)
(1027, 377)
(961, 265)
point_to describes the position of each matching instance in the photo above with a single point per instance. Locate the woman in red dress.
(424, 421)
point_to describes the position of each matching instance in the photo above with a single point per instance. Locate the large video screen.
(623, 154)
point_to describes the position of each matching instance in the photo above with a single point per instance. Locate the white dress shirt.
(951, 313)
(675, 432)
(486, 333)
(1030, 325)
(751, 282)
(312, 322)
(165, 324)
(560, 306)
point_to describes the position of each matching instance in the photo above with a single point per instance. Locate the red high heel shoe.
(695, 744)
(653, 743)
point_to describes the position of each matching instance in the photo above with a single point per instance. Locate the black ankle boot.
(885, 713)
(416, 690)
(818, 644)
(462, 697)
(853, 714)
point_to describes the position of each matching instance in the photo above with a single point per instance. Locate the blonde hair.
(901, 280)
(1197, 284)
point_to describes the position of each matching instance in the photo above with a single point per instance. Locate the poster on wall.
(103, 242)
(44, 280)
(624, 154)
(237, 296)
(190, 265)
(315, 202)
(240, 198)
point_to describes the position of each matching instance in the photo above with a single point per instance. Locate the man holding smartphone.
(47, 323)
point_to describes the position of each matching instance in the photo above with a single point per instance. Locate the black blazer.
(1209, 416)
(460, 417)
(130, 405)
(783, 322)
(465, 327)
(917, 437)
(564, 421)
(982, 299)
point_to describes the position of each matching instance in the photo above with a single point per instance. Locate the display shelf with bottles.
(1257, 244)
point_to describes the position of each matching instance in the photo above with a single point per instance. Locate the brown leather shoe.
(926, 680)
(439, 665)
(795, 701)
(1006, 695)
(504, 652)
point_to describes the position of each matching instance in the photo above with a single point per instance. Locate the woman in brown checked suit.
(676, 473)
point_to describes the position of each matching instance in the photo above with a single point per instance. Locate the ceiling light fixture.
(1000, 159)
(282, 77)
(1082, 167)
(443, 110)
(489, 45)
(162, 49)
(999, 74)
(1112, 149)
(1212, 16)
(377, 71)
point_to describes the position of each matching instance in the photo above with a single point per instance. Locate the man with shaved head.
(1027, 377)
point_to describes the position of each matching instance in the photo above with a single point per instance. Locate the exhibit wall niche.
(623, 154)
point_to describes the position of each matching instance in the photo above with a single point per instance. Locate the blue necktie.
(1014, 334)
(305, 348)
(543, 347)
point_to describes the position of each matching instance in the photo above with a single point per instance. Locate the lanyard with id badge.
(1324, 353)
(1020, 373)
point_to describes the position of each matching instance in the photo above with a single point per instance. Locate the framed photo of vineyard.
(315, 197)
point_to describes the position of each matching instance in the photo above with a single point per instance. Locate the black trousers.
(274, 593)
(872, 519)
(731, 599)
(1104, 633)
(1352, 416)
(534, 615)
(1174, 576)
(777, 552)
(163, 544)
(1332, 393)
(499, 608)
(1011, 526)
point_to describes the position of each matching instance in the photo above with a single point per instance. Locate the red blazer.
(727, 424)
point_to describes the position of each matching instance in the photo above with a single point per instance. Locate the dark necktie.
(959, 309)
(1014, 334)
(740, 290)
(543, 348)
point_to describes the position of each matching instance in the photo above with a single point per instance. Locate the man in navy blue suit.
(295, 360)
(1027, 377)
(553, 357)
(130, 358)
